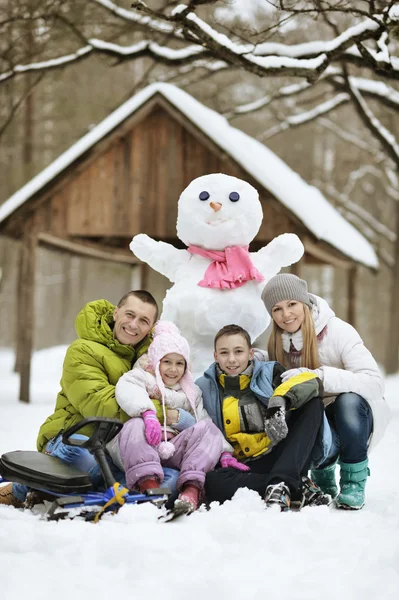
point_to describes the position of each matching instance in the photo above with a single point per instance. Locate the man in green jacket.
(110, 340)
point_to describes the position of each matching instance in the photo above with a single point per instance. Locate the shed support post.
(352, 275)
(19, 313)
(26, 311)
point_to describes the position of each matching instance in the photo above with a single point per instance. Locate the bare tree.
(191, 40)
(317, 57)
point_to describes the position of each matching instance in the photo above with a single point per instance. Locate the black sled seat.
(43, 472)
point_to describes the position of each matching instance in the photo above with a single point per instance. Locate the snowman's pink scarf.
(231, 267)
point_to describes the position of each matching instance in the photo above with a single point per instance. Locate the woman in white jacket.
(306, 336)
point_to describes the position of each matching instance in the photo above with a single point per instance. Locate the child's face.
(233, 354)
(172, 367)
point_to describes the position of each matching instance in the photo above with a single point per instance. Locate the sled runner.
(70, 490)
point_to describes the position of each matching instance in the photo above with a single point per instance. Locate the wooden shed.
(125, 177)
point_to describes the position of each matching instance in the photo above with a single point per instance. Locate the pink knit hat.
(167, 340)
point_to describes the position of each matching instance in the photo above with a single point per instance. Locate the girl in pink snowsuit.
(161, 379)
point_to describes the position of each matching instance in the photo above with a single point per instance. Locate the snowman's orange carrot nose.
(216, 206)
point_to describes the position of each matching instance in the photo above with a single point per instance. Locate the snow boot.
(325, 479)
(311, 495)
(278, 495)
(188, 498)
(7, 497)
(149, 483)
(353, 483)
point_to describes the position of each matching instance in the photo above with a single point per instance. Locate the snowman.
(216, 280)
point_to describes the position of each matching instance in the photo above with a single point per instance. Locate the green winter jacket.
(92, 366)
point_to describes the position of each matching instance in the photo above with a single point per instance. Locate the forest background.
(317, 82)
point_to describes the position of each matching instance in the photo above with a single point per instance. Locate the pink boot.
(148, 483)
(188, 498)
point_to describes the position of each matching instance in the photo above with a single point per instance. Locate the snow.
(48, 64)
(277, 50)
(233, 551)
(379, 88)
(250, 53)
(393, 62)
(289, 90)
(319, 109)
(305, 201)
(382, 44)
(318, 47)
(370, 86)
(382, 131)
(161, 51)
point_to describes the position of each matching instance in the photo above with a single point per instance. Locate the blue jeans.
(351, 422)
(83, 460)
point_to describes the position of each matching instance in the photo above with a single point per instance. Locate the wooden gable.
(131, 183)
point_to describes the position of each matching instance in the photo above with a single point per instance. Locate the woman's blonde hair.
(309, 356)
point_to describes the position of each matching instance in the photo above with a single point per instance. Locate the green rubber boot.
(353, 484)
(325, 479)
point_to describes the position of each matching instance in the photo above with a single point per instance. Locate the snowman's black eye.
(234, 196)
(204, 196)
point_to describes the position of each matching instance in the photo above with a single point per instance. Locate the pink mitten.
(228, 460)
(153, 430)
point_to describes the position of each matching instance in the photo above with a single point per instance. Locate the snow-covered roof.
(302, 199)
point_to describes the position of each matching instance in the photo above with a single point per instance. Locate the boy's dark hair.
(142, 295)
(233, 330)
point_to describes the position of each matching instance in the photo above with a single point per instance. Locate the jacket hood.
(94, 322)
(262, 376)
(321, 313)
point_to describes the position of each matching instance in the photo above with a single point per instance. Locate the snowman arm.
(283, 251)
(162, 257)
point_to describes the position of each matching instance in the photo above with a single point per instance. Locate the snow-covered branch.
(285, 92)
(362, 219)
(198, 39)
(353, 139)
(368, 29)
(162, 54)
(306, 116)
(378, 90)
(47, 65)
(362, 56)
(386, 138)
(134, 16)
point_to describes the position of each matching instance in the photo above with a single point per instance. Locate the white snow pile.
(238, 550)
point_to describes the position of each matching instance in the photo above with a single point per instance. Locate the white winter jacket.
(347, 365)
(134, 391)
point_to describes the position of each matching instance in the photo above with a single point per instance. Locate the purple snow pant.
(197, 451)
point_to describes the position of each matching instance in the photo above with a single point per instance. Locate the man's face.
(233, 354)
(133, 321)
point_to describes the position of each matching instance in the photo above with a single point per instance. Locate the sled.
(69, 491)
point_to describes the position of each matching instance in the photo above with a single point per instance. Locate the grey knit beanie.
(285, 287)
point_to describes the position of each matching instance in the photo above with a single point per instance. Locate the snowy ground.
(235, 551)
